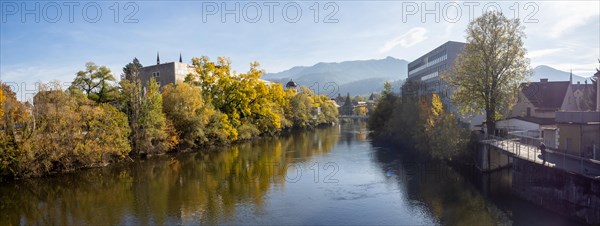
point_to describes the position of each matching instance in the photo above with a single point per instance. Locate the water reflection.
(205, 187)
(467, 197)
(343, 178)
(438, 188)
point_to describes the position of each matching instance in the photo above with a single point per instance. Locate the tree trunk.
(490, 122)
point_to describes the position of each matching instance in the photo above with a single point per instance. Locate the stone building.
(165, 73)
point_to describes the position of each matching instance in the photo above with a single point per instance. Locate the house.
(540, 99)
(559, 113)
(580, 97)
(530, 127)
(579, 133)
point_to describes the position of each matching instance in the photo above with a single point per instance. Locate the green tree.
(131, 70)
(379, 119)
(96, 83)
(157, 134)
(488, 73)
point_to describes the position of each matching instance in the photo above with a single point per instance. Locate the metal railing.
(527, 148)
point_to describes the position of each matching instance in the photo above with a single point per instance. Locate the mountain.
(553, 74)
(361, 77)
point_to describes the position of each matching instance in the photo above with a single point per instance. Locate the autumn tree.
(250, 104)
(361, 110)
(301, 105)
(184, 106)
(15, 128)
(440, 134)
(488, 73)
(95, 82)
(1, 102)
(71, 132)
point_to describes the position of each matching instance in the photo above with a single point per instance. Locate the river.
(334, 175)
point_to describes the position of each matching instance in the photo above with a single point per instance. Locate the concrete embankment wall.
(490, 158)
(567, 193)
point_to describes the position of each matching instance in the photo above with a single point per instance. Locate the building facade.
(540, 99)
(578, 133)
(544, 98)
(166, 73)
(427, 69)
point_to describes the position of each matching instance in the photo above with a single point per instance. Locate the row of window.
(422, 62)
(432, 75)
(438, 55)
(435, 61)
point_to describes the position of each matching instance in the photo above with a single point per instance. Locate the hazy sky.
(564, 35)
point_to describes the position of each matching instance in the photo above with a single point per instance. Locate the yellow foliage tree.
(1, 103)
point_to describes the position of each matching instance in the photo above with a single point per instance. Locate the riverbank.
(329, 176)
(96, 121)
(209, 147)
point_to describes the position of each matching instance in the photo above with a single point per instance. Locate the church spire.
(157, 58)
(571, 76)
(180, 60)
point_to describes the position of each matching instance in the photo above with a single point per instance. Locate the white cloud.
(408, 39)
(563, 16)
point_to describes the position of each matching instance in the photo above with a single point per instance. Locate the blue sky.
(561, 34)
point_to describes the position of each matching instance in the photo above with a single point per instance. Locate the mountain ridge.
(362, 77)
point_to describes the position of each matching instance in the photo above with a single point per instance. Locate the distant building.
(166, 73)
(426, 70)
(291, 85)
(544, 98)
(560, 113)
(348, 107)
(540, 99)
(580, 97)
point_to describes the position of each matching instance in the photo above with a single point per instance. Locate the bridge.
(522, 149)
(564, 183)
(354, 118)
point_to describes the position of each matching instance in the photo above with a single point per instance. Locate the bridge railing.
(526, 147)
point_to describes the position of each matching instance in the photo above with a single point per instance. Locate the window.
(528, 111)
(156, 74)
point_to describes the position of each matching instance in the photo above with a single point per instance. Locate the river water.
(333, 175)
